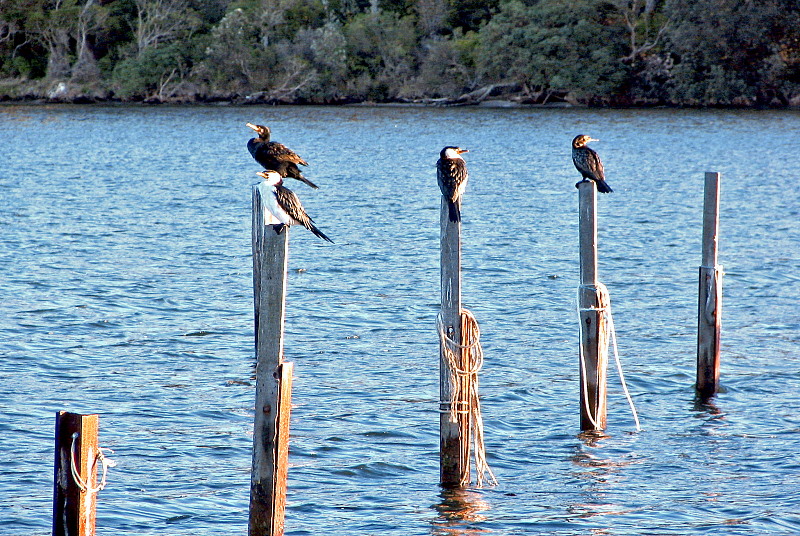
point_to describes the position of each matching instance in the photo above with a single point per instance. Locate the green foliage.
(725, 52)
(728, 53)
(153, 73)
(447, 67)
(469, 15)
(380, 54)
(233, 57)
(557, 45)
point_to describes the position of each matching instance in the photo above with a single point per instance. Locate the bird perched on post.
(276, 156)
(451, 173)
(588, 163)
(286, 207)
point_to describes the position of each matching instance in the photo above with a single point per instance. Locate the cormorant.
(451, 173)
(286, 207)
(588, 163)
(276, 156)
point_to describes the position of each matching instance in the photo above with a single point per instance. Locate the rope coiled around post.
(610, 334)
(76, 474)
(469, 402)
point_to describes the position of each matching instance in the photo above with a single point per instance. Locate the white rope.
(601, 348)
(76, 476)
(610, 333)
(610, 327)
(471, 405)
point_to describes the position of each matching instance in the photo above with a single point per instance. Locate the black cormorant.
(451, 172)
(276, 156)
(286, 207)
(588, 163)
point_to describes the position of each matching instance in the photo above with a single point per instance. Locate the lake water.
(126, 291)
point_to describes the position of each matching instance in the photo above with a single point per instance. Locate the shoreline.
(495, 96)
(495, 104)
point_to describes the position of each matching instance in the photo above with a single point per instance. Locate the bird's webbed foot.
(278, 227)
(577, 184)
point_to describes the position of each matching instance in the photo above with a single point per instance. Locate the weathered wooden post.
(273, 376)
(454, 433)
(593, 301)
(709, 310)
(75, 481)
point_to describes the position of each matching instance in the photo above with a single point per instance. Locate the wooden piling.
(454, 435)
(709, 310)
(75, 446)
(592, 300)
(273, 377)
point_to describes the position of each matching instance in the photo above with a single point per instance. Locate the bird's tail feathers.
(603, 187)
(454, 211)
(305, 180)
(317, 232)
(291, 170)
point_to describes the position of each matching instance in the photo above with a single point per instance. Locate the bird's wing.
(595, 165)
(289, 201)
(282, 153)
(452, 177)
(253, 146)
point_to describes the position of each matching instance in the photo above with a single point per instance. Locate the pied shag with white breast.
(286, 207)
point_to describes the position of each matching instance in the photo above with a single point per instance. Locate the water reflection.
(706, 408)
(457, 510)
(600, 475)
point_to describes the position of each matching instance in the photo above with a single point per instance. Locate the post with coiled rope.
(593, 302)
(709, 310)
(460, 360)
(454, 437)
(75, 480)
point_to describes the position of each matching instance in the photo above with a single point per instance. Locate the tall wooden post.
(454, 435)
(592, 300)
(273, 377)
(76, 444)
(709, 310)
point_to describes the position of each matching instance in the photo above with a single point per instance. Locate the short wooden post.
(592, 300)
(709, 310)
(454, 435)
(273, 377)
(76, 442)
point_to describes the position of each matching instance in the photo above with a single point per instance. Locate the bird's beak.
(251, 125)
(462, 151)
(593, 139)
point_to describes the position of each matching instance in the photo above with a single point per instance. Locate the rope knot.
(464, 399)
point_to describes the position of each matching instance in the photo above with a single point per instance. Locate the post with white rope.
(593, 302)
(454, 430)
(709, 310)
(273, 375)
(75, 481)
(460, 361)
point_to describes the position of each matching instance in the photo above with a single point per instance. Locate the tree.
(52, 22)
(557, 46)
(469, 15)
(234, 54)
(447, 67)
(644, 24)
(163, 21)
(380, 54)
(431, 16)
(729, 51)
(91, 18)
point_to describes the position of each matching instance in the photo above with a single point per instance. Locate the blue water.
(126, 290)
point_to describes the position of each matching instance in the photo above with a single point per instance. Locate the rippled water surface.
(126, 291)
